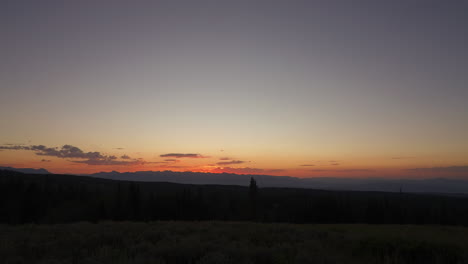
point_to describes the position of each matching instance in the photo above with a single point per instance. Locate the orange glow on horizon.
(396, 167)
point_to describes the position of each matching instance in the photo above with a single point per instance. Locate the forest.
(52, 199)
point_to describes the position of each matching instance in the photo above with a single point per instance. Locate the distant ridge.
(434, 185)
(27, 170)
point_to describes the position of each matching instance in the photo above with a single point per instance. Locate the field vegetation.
(53, 219)
(231, 242)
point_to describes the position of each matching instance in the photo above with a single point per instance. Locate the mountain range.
(434, 185)
(26, 170)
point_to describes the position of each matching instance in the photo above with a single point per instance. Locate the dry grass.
(231, 242)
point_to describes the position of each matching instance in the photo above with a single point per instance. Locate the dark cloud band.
(182, 155)
(72, 152)
(230, 162)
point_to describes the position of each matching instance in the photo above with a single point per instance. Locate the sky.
(302, 88)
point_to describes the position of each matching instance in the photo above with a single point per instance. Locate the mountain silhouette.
(27, 170)
(434, 185)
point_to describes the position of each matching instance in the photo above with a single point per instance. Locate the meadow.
(231, 242)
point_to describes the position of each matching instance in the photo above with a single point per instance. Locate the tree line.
(47, 199)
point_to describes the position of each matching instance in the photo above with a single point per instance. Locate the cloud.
(67, 151)
(182, 155)
(109, 161)
(172, 160)
(225, 158)
(72, 152)
(345, 170)
(442, 169)
(14, 147)
(354, 170)
(334, 164)
(245, 170)
(44, 160)
(307, 165)
(231, 162)
(172, 166)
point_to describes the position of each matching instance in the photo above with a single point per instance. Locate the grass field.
(231, 242)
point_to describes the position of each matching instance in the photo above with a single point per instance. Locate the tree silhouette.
(253, 195)
(135, 200)
(253, 189)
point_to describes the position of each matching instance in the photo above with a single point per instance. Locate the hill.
(432, 185)
(436, 185)
(26, 170)
(53, 198)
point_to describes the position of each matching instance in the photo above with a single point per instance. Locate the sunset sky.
(363, 88)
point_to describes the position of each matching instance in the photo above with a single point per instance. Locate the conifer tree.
(253, 193)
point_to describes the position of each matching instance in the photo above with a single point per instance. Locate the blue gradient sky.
(277, 84)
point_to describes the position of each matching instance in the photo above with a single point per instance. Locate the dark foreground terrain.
(56, 199)
(231, 242)
(75, 219)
